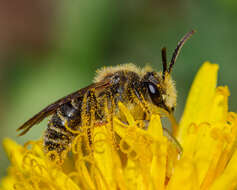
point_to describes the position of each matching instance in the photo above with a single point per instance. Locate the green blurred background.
(51, 48)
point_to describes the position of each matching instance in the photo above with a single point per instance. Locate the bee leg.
(100, 123)
(139, 99)
(88, 113)
(109, 111)
(173, 140)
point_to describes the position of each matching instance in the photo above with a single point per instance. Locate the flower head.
(143, 159)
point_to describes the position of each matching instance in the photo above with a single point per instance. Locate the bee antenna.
(178, 48)
(164, 61)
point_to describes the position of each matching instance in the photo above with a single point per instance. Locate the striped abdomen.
(57, 137)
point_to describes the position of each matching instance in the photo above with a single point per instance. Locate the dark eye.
(154, 93)
(152, 89)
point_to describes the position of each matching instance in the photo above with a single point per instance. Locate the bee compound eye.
(153, 90)
(154, 93)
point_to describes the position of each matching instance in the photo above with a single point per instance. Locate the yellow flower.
(145, 159)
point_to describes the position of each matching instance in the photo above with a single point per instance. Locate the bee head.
(161, 91)
(160, 86)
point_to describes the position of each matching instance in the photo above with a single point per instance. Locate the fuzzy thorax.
(130, 67)
(167, 84)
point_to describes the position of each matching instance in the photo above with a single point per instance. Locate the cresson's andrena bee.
(96, 104)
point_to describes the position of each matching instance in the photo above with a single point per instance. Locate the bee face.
(161, 91)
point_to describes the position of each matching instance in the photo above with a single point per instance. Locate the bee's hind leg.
(109, 108)
(88, 112)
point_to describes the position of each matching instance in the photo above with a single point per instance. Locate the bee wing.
(54, 106)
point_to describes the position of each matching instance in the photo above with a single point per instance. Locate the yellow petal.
(158, 164)
(30, 171)
(103, 157)
(184, 177)
(14, 151)
(229, 177)
(7, 183)
(199, 98)
(155, 128)
(219, 105)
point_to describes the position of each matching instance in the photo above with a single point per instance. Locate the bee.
(97, 103)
